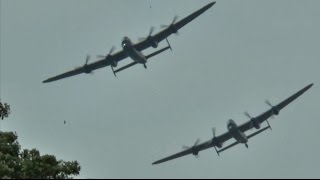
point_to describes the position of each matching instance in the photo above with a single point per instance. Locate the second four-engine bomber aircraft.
(237, 132)
(134, 51)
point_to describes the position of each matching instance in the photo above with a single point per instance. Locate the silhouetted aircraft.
(134, 51)
(236, 132)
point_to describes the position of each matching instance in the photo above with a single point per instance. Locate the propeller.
(107, 56)
(195, 144)
(175, 18)
(268, 103)
(214, 132)
(254, 123)
(87, 59)
(214, 137)
(173, 28)
(88, 71)
(110, 52)
(275, 111)
(150, 33)
(248, 115)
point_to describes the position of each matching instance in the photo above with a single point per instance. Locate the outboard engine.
(275, 111)
(86, 69)
(195, 153)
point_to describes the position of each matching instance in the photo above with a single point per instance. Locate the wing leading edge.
(90, 67)
(266, 115)
(173, 28)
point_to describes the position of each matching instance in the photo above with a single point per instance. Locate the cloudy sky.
(227, 61)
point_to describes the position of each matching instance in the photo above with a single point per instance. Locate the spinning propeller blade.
(175, 18)
(150, 34)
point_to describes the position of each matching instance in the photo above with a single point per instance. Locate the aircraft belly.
(135, 55)
(239, 137)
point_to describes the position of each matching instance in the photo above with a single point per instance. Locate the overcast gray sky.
(227, 61)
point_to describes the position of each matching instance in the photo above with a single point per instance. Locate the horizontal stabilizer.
(231, 145)
(125, 67)
(250, 136)
(258, 132)
(157, 52)
(147, 57)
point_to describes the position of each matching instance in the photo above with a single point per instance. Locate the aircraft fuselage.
(236, 133)
(134, 54)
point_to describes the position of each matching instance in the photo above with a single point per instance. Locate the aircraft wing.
(196, 149)
(170, 30)
(90, 67)
(266, 115)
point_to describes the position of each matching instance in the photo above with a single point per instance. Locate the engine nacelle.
(195, 153)
(152, 42)
(114, 63)
(255, 124)
(217, 143)
(86, 69)
(275, 111)
(173, 29)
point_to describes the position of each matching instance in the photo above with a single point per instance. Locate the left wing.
(192, 150)
(90, 67)
(196, 149)
(263, 117)
(173, 28)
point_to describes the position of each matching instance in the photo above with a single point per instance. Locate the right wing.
(90, 67)
(266, 115)
(168, 31)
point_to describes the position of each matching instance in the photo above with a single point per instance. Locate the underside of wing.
(171, 29)
(175, 156)
(84, 69)
(197, 148)
(65, 75)
(275, 110)
(88, 68)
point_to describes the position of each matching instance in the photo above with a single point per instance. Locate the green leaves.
(4, 110)
(26, 164)
(29, 164)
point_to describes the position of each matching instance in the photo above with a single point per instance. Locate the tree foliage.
(4, 110)
(24, 164)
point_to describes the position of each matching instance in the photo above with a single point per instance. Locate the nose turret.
(125, 41)
(231, 124)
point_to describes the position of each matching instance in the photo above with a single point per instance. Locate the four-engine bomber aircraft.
(134, 50)
(237, 132)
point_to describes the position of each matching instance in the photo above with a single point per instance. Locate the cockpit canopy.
(125, 41)
(231, 124)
